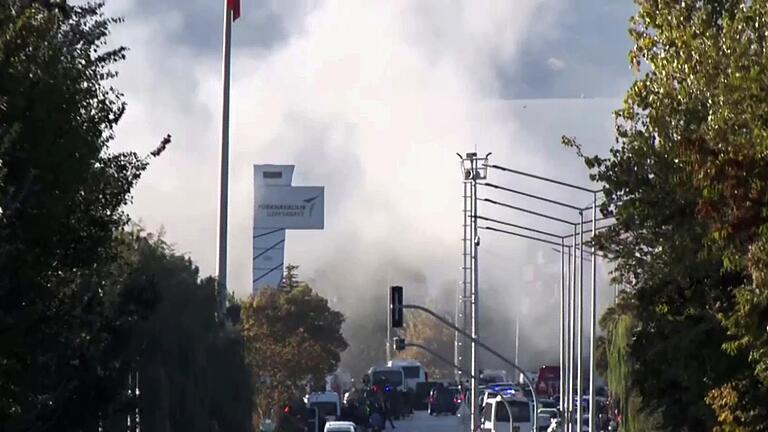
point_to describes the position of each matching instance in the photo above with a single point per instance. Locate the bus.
(392, 375)
(413, 372)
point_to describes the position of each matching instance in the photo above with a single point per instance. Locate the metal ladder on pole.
(463, 291)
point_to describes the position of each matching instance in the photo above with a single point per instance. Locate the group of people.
(373, 407)
(371, 414)
(377, 403)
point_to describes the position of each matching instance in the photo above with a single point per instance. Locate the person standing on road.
(387, 411)
(376, 418)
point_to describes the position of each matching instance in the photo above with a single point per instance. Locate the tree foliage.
(192, 370)
(709, 62)
(657, 243)
(65, 312)
(688, 184)
(293, 340)
(425, 330)
(619, 325)
(83, 301)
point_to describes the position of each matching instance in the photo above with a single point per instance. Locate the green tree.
(705, 96)
(290, 279)
(193, 375)
(425, 330)
(688, 187)
(619, 324)
(65, 312)
(293, 340)
(673, 284)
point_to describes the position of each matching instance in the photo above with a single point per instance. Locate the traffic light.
(396, 305)
(399, 343)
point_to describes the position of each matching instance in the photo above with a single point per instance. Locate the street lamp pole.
(576, 311)
(562, 321)
(572, 334)
(580, 324)
(592, 319)
(568, 309)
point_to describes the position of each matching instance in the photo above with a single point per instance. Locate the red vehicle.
(548, 381)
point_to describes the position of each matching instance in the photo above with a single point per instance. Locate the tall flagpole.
(221, 270)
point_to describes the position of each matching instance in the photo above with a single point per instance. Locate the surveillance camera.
(477, 241)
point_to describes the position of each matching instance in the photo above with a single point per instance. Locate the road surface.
(423, 422)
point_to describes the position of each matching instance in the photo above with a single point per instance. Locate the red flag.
(234, 6)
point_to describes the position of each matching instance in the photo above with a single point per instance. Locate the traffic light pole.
(490, 350)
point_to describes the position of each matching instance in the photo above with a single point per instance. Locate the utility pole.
(474, 294)
(474, 168)
(462, 297)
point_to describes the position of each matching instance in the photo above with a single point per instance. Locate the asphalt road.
(423, 422)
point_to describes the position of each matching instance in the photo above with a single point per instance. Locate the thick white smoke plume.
(372, 100)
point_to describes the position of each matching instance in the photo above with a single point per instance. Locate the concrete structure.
(278, 205)
(268, 243)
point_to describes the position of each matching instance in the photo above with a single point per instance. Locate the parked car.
(340, 426)
(503, 385)
(547, 416)
(485, 396)
(504, 414)
(458, 397)
(441, 400)
(547, 403)
(421, 395)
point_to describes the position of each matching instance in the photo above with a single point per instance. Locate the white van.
(413, 372)
(327, 403)
(340, 426)
(394, 376)
(507, 414)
